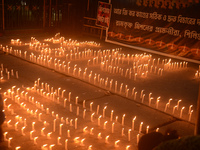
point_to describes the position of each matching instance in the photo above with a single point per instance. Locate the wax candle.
(58, 141)
(31, 135)
(92, 117)
(129, 135)
(84, 104)
(50, 146)
(68, 133)
(111, 115)
(66, 147)
(122, 131)
(54, 125)
(91, 106)
(49, 135)
(76, 123)
(123, 120)
(106, 139)
(22, 130)
(84, 113)
(35, 142)
(133, 123)
(116, 143)
(113, 127)
(4, 136)
(9, 140)
(104, 111)
(97, 109)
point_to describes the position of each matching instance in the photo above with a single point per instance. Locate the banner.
(103, 14)
(167, 26)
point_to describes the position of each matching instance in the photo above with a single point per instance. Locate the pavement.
(178, 84)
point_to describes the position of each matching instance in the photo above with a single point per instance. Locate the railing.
(90, 27)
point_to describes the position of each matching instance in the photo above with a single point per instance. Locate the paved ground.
(176, 84)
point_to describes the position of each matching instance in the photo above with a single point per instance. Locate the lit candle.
(106, 139)
(84, 104)
(170, 101)
(147, 130)
(84, 113)
(63, 93)
(8, 123)
(76, 139)
(133, 123)
(16, 126)
(76, 123)
(157, 102)
(33, 126)
(43, 147)
(92, 117)
(58, 141)
(174, 108)
(104, 125)
(140, 129)
(68, 133)
(65, 103)
(104, 109)
(18, 147)
(49, 135)
(50, 146)
(190, 109)
(31, 135)
(82, 140)
(135, 95)
(69, 97)
(116, 118)
(116, 143)
(181, 112)
(123, 120)
(76, 102)
(66, 147)
(42, 131)
(122, 131)
(35, 142)
(84, 129)
(111, 116)
(70, 107)
(129, 135)
(127, 147)
(99, 136)
(4, 136)
(22, 130)
(99, 120)
(91, 131)
(190, 115)
(178, 104)
(57, 116)
(70, 122)
(166, 106)
(91, 106)
(52, 113)
(113, 127)
(90, 147)
(9, 142)
(157, 129)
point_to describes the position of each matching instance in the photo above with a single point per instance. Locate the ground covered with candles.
(62, 93)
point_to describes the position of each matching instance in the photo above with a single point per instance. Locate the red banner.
(103, 14)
